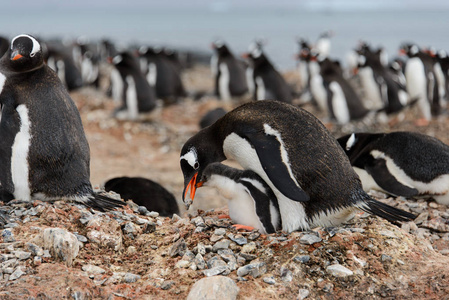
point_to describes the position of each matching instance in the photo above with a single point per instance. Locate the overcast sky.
(230, 4)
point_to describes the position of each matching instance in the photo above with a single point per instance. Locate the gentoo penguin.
(212, 116)
(228, 71)
(44, 152)
(162, 73)
(251, 201)
(400, 163)
(87, 58)
(268, 82)
(137, 95)
(343, 102)
(378, 83)
(294, 154)
(421, 81)
(144, 192)
(58, 57)
(4, 45)
(303, 61)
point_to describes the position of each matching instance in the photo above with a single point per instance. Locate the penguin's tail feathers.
(102, 203)
(385, 211)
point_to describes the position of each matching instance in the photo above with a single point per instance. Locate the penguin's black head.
(220, 47)
(348, 142)
(25, 54)
(196, 154)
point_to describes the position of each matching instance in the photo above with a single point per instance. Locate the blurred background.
(194, 24)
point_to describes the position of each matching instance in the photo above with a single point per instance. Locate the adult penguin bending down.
(44, 152)
(295, 155)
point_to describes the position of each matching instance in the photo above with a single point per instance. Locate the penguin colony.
(295, 174)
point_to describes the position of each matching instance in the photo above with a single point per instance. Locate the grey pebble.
(253, 269)
(269, 280)
(302, 259)
(130, 278)
(8, 236)
(215, 271)
(309, 239)
(222, 244)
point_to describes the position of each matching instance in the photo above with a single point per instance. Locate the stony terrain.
(66, 251)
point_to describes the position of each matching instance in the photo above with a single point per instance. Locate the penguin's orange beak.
(245, 55)
(192, 186)
(402, 52)
(17, 56)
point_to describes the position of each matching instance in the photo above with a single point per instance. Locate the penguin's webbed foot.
(243, 227)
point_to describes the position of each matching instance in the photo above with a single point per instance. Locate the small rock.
(310, 239)
(91, 269)
(269, 280)
(11, 225)
(201, 249)
(183, 264)
(217, 287)
(214, 238)
(302, 259)
(338, 270)
(385, 258)
(328, 287)
(142, 210)
(131, 250)
(178, 248)
(220, 231)
(249, 248)
(62, 244)
(130, 278)
(149, 227)
(37, 261)
(303, 294)
(8, 236)
(238, 238)
(223, 244)
(17, 274)
(22, 255)
(215, 271)
(215, 261)
(154, 214)
(199, 261)
(421, 218)
(81, 238)
(105, 232)
(175, 218)
(388, 233)
(199, 222)
(254, 269)
(167, 284)
(253, 235)
(286, 275)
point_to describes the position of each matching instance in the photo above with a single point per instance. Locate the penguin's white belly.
(131, 98)
(292, 212)
(319, 92)
(339, 105)
(371, 89)
(250, 80)
(260, 89)
(117, 85)
(303, 74)
(241, 205)
(223, 83)
(417, 85)
(152, 74)
(368, 182)
(438, 188)
(19, 159)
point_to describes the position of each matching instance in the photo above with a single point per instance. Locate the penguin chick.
(251, 201)
(44, 152)
(294, 154)
(404, 163)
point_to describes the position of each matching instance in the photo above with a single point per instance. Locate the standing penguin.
(400, 163)
(44, 152)
(378, 82)
(420, 79)
(343, 102)
(294, 154)
(251, 201)
(4, 45)
(229, 72)
(162, 73)
(137, 95)
(268, 82)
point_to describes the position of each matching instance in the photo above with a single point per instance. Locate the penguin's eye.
(196, 165)
(32, 54)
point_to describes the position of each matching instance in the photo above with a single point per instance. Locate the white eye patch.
(191, 157)
(117, 59)
(36, 45)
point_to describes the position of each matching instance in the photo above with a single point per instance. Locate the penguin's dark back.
(318, 162)
(59, 148)
(415, 153)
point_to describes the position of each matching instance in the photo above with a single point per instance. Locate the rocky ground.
(66, 251)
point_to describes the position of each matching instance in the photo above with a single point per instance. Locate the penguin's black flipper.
(379, 171)
(268, 150)
(103, 203)
(386, 211)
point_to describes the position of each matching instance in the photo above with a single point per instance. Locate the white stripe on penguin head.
(36, 45)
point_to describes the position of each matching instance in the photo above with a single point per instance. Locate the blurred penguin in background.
(229, 72)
